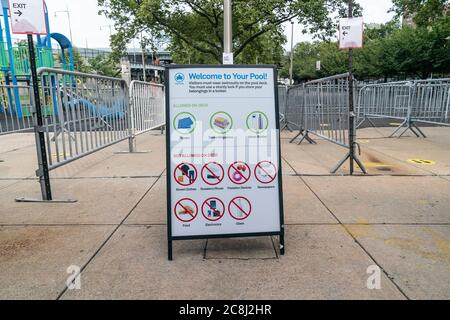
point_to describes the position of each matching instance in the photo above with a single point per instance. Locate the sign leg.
(169, 250)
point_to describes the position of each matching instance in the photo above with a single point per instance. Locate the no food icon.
(186, 210)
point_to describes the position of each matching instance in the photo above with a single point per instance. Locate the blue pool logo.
(179, 78)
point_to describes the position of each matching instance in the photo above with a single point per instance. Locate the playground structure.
(15, 73)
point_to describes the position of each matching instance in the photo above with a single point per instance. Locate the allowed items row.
(213, 173)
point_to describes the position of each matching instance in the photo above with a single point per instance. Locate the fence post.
(131, 122)
(42, 172)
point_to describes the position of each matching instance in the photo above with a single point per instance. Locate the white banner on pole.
(351, 33)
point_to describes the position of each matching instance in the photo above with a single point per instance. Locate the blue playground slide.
(101, 111)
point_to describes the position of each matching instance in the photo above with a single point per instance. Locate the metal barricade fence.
(147, 106)
(282, 90)
(420, 101)
(387, 100)
(82, 113)
(431, 103)
(16, 114)
(326, 110)
(294, 109)
(323, 110)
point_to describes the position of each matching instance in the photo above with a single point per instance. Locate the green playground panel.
(44, 58)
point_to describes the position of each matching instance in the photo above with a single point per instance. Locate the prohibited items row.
(212, 209)
(213, 173)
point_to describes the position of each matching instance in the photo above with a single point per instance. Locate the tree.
(423, 12)
(389, 51)
(198, 24)
(80, 64)
(104, 65)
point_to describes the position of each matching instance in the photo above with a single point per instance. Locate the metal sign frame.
(171, 238)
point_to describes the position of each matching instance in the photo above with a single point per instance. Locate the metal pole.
(70, 25)
(227, 27)
(143, 59)
(352, 134)
(43, 172)
(291, 68)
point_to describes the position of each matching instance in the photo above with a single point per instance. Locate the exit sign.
(27, 17)
(351, 33)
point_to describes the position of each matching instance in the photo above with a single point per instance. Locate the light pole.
(67, 11)
(227, 32)
(350, 97)
(291, 68)
(143, 58)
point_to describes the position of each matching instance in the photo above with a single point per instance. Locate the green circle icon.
(257, 122)
(221, 122)
(184, 123)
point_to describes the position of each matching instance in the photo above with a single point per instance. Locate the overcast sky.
(91, 29)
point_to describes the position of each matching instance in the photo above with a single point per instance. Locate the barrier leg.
(398, 128)
(132, 143)
(412, 130)
(364, 120)
(295, 138)
(341, 163)
(348, 157)
(309, 139)
(360, 164)
(413, 124)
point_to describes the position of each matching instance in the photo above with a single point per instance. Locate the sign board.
(318, 65)
(27, 17)
(223, 156)
(228, 58)
(351, 33)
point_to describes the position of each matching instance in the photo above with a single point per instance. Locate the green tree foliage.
(423, 12)
(80, 64)
(104, 65)
(389, 52)
(195, 27)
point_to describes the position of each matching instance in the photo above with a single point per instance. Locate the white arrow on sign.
(27, 17)
(351, 33)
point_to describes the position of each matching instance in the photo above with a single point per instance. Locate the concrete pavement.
(338, 226)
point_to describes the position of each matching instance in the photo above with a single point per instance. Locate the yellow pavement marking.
(422, 161)
(60, 155)
(362, 141)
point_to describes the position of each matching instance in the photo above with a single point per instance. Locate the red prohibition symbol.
(186, 210)
(265, 172)
(240, 208)
(239, 172)
(213, 209)
(212, 173)
(185, 174)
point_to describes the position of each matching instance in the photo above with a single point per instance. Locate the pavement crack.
(352, 236)
(113, 232)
